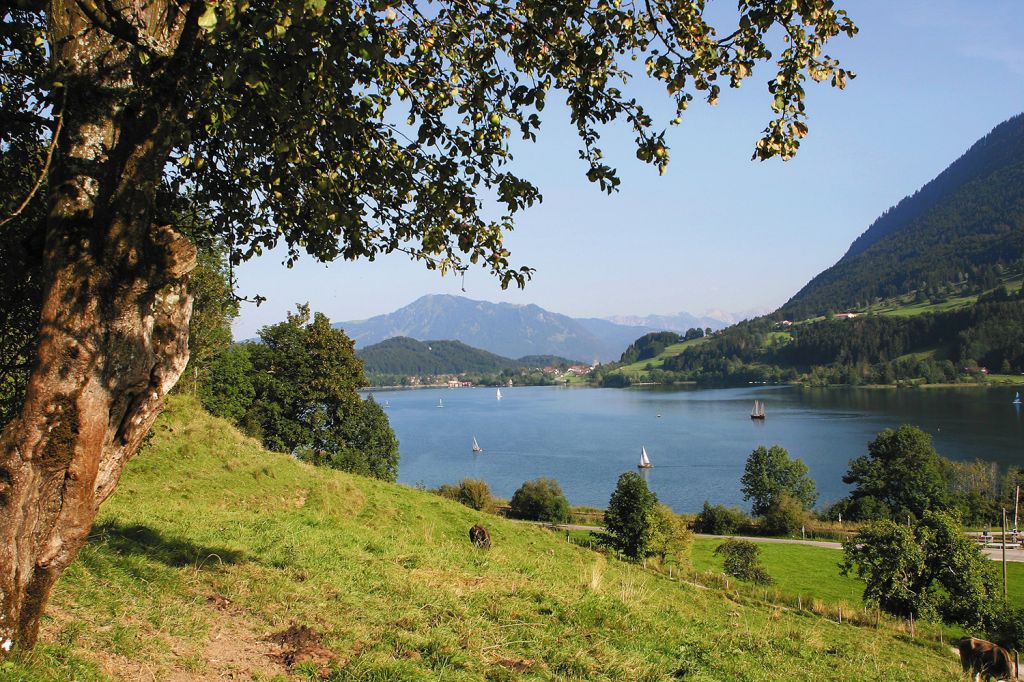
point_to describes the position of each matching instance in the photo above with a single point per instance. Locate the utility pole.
(1016, 505)
(1004, 555)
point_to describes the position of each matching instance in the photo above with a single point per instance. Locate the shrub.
(670, 535)
(784, 517)
(475, 494)
(471, 492)
(540, 500)
(718, 519)
(743, 561)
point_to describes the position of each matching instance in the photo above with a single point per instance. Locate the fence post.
(840, 615)
(799, 603)
(911, 625)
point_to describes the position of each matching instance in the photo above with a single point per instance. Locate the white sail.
(498, 394)
(476, 446)
(440, 403)
(645, 461)
(758, 411)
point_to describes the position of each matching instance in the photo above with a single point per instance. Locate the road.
(994, 553)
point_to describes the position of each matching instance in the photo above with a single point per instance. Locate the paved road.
(994, 553)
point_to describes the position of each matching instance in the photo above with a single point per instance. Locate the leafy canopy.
(541, 499)
(742, 559)
(351, 129)
(769, 474)
(901, 474)
(931, 570)
(301, 383)
(629, 515)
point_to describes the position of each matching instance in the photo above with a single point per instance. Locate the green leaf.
(208, 20)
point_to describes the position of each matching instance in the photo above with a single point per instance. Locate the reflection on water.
(585, 438)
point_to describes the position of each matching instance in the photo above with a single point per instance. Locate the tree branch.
(43, 173)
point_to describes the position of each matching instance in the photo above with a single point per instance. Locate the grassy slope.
(814, 572)
(640, 367)
(210, 544)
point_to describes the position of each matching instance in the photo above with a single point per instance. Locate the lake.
(585, 438)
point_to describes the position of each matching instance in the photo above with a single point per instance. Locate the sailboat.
(645, 461)
(758, 411)
(1016, 399)
(440, 403)
(497, 394)
(476, 446)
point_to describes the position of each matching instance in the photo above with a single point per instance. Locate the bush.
(719, 520)
(540, 500)
(784, 517)
(471, 492)
(669, 535)
(743, 561)
(1006, 627)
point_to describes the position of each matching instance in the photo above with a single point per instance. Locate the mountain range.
(509, 330)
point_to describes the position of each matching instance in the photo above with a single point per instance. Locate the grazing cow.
(479, 536)
(985, 660)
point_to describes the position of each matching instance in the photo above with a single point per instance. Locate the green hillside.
(402, 355)
(953, 233)
(900, 340)
(211, 548)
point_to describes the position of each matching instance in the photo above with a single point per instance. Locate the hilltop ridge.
(954, 231)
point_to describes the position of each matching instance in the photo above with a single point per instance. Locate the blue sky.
(719, 231)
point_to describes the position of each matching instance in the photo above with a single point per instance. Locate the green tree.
(370, 446)
(769, 474)
(628, 518)
(228, 390)
(742, 559)
(475, 494)
(305, 378)
(669, 536)
(340, 129)
(540, 500)
(931, 570)
(785, 516)
(214, 306)
(901, 474)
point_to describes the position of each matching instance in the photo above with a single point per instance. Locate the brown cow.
(479, 536)
(985, 660)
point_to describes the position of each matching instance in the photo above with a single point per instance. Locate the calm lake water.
(584, 438)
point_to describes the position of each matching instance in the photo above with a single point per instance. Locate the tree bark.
(115, 316)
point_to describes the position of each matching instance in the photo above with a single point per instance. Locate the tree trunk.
(115, 316)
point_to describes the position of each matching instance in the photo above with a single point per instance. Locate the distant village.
(457, 381)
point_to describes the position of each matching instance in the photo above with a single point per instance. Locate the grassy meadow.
(217, 560)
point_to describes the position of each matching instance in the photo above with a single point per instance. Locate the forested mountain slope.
(954, 231)
(402, 355)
